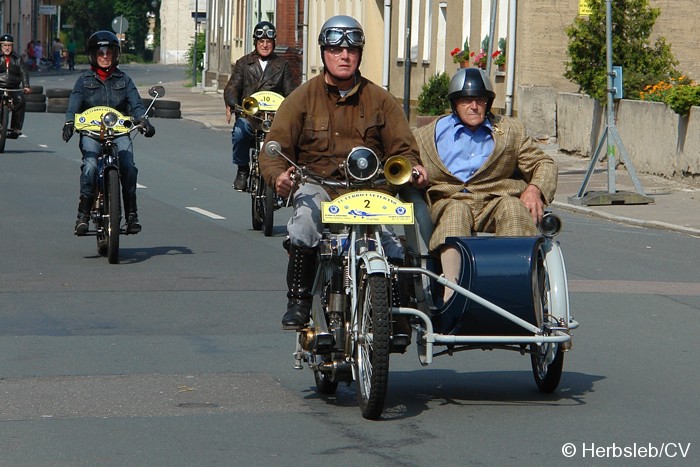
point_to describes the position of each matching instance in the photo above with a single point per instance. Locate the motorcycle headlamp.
(110, 119)
(340, 37)
(550, 225)
(362, 164)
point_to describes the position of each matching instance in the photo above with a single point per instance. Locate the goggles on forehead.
(264, 34)
(336, 36)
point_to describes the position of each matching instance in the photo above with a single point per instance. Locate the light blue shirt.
(463, 151)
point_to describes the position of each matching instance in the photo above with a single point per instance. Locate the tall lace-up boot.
(300, 280)
(82, 222)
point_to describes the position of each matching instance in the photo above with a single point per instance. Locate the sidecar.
(511, 294)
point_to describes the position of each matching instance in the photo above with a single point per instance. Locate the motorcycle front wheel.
(4, 121)
(113, 211)
(372, 344)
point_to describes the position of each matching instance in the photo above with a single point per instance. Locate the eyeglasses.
(261, 33)
(336, 36)
(469, 99)
(337, 51)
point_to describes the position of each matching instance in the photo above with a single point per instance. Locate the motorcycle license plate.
(366, 207)
(268, 101)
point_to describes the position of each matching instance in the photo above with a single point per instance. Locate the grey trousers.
(305, 226)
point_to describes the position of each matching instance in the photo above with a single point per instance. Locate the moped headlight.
(362, 163)
(550, 224)
(110, 119)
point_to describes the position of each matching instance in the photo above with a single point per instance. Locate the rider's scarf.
(102, 73)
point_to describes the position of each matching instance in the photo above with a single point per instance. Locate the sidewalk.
(676, 204)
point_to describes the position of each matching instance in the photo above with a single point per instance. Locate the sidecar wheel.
(547, 365)
(269, 210)
(372, 345)
(257, 203)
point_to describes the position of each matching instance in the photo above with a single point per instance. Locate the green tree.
(201, 43)
(432, 99)
(632, 24)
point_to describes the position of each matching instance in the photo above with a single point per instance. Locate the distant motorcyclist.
(260, 70)
(105, 84)
(14, 75)
(317, 126)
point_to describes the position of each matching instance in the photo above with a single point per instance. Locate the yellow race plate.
(366, 207)
(90, 119)
(268, 101)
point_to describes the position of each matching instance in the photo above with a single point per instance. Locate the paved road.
(175, 356)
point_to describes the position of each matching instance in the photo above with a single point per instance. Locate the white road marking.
(205, 213)
(138, 185)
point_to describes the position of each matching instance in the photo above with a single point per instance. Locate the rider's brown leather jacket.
(317, 128)
(248, 77)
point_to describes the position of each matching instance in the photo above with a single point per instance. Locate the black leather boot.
(300, 279)
(81, 223)
(132, 218)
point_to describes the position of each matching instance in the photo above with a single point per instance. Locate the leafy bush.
(201, 43)
(432, 99)
(632, 24)
(679, 94)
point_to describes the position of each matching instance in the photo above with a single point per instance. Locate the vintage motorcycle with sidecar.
(105, 124)
(511, 294)
(260, 108)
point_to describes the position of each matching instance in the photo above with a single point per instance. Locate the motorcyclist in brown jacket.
(14, 75)
(260, 70)
(317, 126)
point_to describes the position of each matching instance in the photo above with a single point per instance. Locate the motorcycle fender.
(559, 288)
(374, 263)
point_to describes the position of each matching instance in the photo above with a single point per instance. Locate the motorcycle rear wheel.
(4, 121)
(372, 344)
(113, 208)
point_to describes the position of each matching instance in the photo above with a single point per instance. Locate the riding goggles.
(336, 36)
(264, 34)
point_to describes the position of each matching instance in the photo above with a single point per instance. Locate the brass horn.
(250, 106)
(397, 170)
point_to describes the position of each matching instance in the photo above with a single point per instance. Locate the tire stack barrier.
(36, 100)
(167, 109)
(57, 100)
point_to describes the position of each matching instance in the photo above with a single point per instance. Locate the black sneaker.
(13, 134)
(241, 181)
(132, 224)
(81, 226)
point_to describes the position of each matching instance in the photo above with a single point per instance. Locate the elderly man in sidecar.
(486, 174)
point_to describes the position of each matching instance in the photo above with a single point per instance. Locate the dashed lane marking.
(204, 212)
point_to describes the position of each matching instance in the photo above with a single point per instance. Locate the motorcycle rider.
(14, 75)
(317, 125)
(105, 84)
(260, 70)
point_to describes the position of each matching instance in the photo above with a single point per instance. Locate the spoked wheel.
(257, 211)
(269, 211)
(547, 359)
(113, 209)
(4, 121)
(547, 365)
(372, 345)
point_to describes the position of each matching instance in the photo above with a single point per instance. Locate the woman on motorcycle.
(105, 84)
(317, 125)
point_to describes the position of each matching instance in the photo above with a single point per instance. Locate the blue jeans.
(88, 171)
(242, 140)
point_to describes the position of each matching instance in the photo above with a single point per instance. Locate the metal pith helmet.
(341, 31)
(103, 39)
(470, 82)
